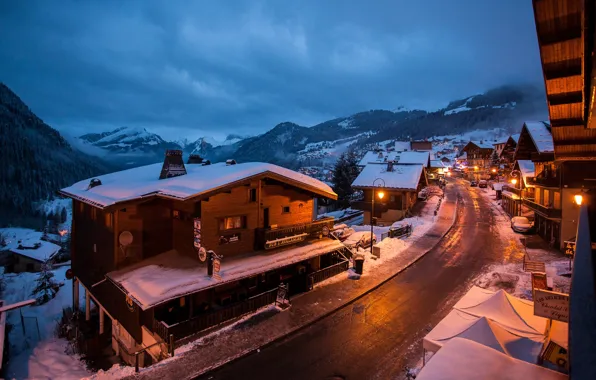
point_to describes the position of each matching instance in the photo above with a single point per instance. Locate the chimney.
(206, 162)
(390, 166)
(230, 162)
(194, 159)
(93, 183)
(173, 166)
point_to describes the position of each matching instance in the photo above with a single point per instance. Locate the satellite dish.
(125, 238)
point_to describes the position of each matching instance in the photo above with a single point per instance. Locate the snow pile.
(41, 357)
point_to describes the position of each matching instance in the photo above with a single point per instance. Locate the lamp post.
(372, 211)
(514, 181)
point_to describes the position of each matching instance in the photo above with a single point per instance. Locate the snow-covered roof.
(402, 146)
(527, 169)
(482, 145)
(45, 251)
(463, 359)
(459, 324)
(403, 176)
(436, 164)
(144, 181)
(515, 137)
(412, 157)
(377, 157)
(27, 239)
(541, 135)
(170, 275)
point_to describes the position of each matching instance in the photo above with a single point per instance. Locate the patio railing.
(309, 230)
(323, 274)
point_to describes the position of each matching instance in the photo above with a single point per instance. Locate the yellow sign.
(556, 355)
(570, 248)
(551, 305)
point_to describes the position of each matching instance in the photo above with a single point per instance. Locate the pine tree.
(495, 159)
(46, 287)
(344, 173)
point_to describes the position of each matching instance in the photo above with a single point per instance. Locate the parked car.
(360, 239)
(473, 184)
(521, 224)
(344, 233)
(482, 183)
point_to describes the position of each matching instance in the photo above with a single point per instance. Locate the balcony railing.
(292, 234)
(213, 318)
(546, 178)
(549, 212)
(513, 190)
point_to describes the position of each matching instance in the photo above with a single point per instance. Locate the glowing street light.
(514, 181)
(476, 167)
(578, 199)
(494, 170)
(381, 194)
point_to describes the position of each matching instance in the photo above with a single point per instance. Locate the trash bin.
(359, 264)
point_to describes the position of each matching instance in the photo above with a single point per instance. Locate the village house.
(165, 255)
(399, 184)
(26, 252)
(519, 188)
(506, 150)
(478, 154)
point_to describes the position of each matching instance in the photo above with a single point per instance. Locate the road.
(380, 334)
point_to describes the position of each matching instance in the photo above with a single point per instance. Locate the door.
(266, 217)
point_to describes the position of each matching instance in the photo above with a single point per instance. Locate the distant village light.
(578, 199)
(62, 232)
(476, 167)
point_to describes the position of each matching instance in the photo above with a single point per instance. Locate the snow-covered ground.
(44, 356)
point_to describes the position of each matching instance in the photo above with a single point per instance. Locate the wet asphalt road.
(380, 334)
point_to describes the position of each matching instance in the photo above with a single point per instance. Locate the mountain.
(128, 146)
(36, 159)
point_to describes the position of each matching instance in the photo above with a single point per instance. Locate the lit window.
(285, 209)
(232, 222)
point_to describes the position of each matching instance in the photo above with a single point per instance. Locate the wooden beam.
(565, 98)
(560, 29)
(556, 123)
(562, 69)
(576, 141)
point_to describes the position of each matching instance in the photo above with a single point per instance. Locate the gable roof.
(402, 146)
(41, 253)
(373, 157)
(541, 135)
(144, 182)
(403, 176)
(414, 157)
(527, 169)
(481, 145)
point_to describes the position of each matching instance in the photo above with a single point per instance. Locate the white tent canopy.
(516, 314)
(459, 324)
(462, 359)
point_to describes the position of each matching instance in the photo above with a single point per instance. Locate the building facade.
(168, 256)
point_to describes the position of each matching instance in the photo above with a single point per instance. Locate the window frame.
(250, 195)
(222, 222)
(283, 209)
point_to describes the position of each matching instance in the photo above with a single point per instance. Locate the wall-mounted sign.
(130, 303)
(202, 254)
(197, 234)
(285, 241)
(282, 294)
(216, 267)
(551, 305)
(229, 238)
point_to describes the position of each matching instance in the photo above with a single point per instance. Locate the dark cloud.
(189, 67)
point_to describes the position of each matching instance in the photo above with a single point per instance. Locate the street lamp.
(578, 199)
(381, 194)
(514, 182)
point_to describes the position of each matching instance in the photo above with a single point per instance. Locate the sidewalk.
(246, 337)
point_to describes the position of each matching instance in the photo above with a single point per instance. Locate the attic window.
(252, 195)
(285, 210)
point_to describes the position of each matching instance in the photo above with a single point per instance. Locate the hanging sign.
(197, 234)
(202, 254)
(216, 267)
(551, 305)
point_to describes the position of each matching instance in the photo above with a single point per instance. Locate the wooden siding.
(276, 197)
(114, 301)
(93, 244)
(129, 219)
(157, 227)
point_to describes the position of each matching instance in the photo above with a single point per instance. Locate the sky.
(209, 68)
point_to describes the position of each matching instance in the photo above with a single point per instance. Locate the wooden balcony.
(267, 238)
(552, 182)
(549, 212)
(513, 190)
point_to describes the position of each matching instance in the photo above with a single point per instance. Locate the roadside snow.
(43, 356)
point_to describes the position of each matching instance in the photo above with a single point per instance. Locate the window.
(392, 199)
(285, 209)
(545, 198)
(557, 200)
(232, 222)
(252, 195)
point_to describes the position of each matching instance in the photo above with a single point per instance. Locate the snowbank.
(43, 356)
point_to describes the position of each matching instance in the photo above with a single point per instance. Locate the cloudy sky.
(198, 68)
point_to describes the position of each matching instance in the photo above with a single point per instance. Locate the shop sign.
(539, 281)
(216, 267)
(556, 355)
(570, 248)
(229, 238)
(282, 294)
(551, 305)
(285, 241)
(197, 236)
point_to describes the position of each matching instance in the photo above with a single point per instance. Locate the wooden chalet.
(400, 184)
(478, 153)
(174, 253)
(506, 150)
(566, 31)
